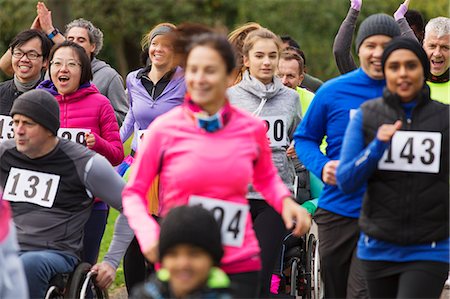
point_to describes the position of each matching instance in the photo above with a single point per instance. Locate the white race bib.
(276, 130)
(413, 151)
(231, 216)
(140, 135)
(31, 186)
(6, 127)
(74, 134)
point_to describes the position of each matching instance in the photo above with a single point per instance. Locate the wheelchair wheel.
(82, 279)
(88, 288)
(313, 281)
(76, 280)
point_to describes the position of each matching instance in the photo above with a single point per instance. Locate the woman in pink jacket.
(86, 117)
(207, 152)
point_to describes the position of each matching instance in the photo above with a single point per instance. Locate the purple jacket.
(143, 109)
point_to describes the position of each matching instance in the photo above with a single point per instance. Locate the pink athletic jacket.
(217, 165)
(87, 108)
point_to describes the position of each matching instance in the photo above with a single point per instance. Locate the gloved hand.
(401, 11)
(356, 4)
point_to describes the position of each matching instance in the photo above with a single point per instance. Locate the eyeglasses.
(58, 64)
(31, 55)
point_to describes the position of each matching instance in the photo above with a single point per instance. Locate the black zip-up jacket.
(8, 93)
(407, 207)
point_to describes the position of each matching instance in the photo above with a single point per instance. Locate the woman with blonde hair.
(152, 91)
(207, 152)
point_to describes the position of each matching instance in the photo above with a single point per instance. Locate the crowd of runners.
(228, 133)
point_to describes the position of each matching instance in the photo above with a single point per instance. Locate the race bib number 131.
(6, 127)
(413, 151)
(230, 216)
(31, 186)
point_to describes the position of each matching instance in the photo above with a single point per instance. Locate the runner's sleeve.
(406, 30)
(103, 181)
(343, 43)
(357, 163)
(309, 135)
(265, 175)
(145, 168)
(127, 127)
(109, 143)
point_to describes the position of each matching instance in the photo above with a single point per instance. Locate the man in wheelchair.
(50, 184)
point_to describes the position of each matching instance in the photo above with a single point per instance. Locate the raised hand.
(356, 4)
(401, 11)
(45, 18)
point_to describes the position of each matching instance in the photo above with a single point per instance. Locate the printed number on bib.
(276, 130)
(31, 186)
(141, 134)
(74, 134)
(230, 216)
(413, 151)
(6, 127)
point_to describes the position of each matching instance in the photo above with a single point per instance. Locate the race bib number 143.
(413, 151)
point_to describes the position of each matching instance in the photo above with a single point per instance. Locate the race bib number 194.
(413, 151)
(230, 216)
(31, 186)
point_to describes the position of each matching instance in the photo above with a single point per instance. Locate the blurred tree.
(313, 23)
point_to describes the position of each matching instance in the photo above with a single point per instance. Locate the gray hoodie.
(280, 107)
(110, 84)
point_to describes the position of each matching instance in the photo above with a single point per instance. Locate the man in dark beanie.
(190, 250)
(329, 113)
(51, 184)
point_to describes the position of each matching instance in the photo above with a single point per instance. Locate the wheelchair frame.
(75, 285)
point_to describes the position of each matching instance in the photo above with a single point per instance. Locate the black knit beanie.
(40, 106)
(408, 44)
(377, 24)
(191, 225)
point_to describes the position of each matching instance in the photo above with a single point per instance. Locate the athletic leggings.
(135, 266)
(421, 279)
(270, 230)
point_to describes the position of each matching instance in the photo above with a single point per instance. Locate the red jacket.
(87, 108)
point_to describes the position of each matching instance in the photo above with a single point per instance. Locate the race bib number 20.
(31, 186)
(230, 216)
(73, 134)
(276, 130)
(413, 152)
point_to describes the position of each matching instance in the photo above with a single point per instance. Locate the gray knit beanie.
(40, 106)
(377, 24)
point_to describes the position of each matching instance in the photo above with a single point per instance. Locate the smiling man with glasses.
(30, 50)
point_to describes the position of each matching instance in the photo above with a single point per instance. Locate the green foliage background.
(313, 23)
